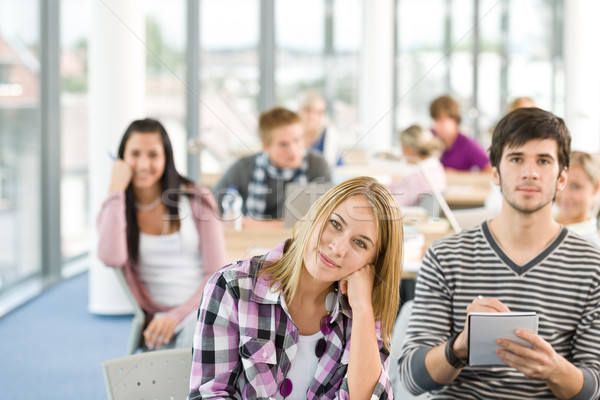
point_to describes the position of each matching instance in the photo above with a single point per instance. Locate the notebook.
(485, 328)
(299, 197)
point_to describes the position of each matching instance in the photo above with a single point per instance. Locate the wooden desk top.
(253, 242)
(258, 241)
(467, 189)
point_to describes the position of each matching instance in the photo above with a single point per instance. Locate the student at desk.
(313, 318)
(421, 149)
(261, 178)
(521, 261)
(461, 153)
(575, 202)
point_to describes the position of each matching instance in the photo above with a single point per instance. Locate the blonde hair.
(310, 97)
(587, 163)
(273, 118)
(285, 273)
(521, 102)
(421, 140)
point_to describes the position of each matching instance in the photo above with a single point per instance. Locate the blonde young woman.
(421, 149)
(313, 318)
(575, 202)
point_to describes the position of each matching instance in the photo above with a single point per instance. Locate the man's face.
(286, 149)
(445, 127)
(529, 175)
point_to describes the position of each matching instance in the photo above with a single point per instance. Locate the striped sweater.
(561, 284)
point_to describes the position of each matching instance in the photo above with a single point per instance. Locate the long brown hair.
(170, 182)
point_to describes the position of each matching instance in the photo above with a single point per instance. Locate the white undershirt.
(304, 364)
(170, 266)
(303, 367)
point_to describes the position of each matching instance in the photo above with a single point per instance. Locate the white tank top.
(170, 266)
(304, 366)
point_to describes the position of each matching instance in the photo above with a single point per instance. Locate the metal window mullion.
(50, 133)
(504, 55)
(267, 54)
(448, 44)
(475, 100)
(192, 98)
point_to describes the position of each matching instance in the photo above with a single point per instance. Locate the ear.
(561, 183)
(596, 188)
(495, 176)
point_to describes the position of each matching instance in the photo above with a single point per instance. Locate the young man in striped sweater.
(521, 261)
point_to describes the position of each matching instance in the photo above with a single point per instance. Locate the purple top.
(465, 154)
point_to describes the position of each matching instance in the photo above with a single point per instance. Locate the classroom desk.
(467, 189)
(257, 241)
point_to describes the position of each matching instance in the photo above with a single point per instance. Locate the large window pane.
(229, 79)
(317, 47)
(165, 83)
(531, 34)
(20, 140)
(422, 70)
(519, 54)
(75, 218)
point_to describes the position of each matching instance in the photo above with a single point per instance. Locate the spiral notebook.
(485, 328)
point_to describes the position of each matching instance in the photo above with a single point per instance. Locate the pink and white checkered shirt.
(245, 340)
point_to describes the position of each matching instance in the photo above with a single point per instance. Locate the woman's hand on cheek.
(358, 286)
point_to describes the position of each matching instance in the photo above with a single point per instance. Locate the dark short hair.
(524, 124)
(445, 105)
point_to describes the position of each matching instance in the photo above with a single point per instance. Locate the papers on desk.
(414, 244)
(485, 328)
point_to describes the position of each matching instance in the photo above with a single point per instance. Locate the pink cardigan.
(112, 247)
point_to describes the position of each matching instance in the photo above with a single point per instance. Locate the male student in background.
(261, 178)
(461, 152)
(521, 261)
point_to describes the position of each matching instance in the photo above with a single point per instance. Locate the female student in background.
(163, 230)
(575, 202)
(279, 325)
(421, 149)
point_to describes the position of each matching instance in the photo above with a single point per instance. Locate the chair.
(161, 374)
(398, 335)
(139, 317)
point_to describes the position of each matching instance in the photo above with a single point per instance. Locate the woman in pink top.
(145, 218)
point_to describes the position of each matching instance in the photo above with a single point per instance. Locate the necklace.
(285, 389)
(148, 207)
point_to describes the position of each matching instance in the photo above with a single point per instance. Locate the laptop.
(299, 197)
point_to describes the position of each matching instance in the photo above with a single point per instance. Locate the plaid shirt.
(245, 341)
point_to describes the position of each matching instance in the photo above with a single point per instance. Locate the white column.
(117, 74)
(582, 80)
(377, 76)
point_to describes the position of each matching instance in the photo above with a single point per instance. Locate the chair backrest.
(161, 374)
(139, 318)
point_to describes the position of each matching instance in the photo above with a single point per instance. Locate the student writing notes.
(522, 260)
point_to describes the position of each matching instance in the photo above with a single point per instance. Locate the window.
(20, 138)
(75, 214)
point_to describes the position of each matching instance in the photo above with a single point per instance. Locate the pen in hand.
(111, 155)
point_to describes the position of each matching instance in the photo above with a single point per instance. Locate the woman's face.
(348, 242)
(575, 202)
(145, 155)
(312, 115)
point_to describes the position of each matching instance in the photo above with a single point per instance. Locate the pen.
(111, 155)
